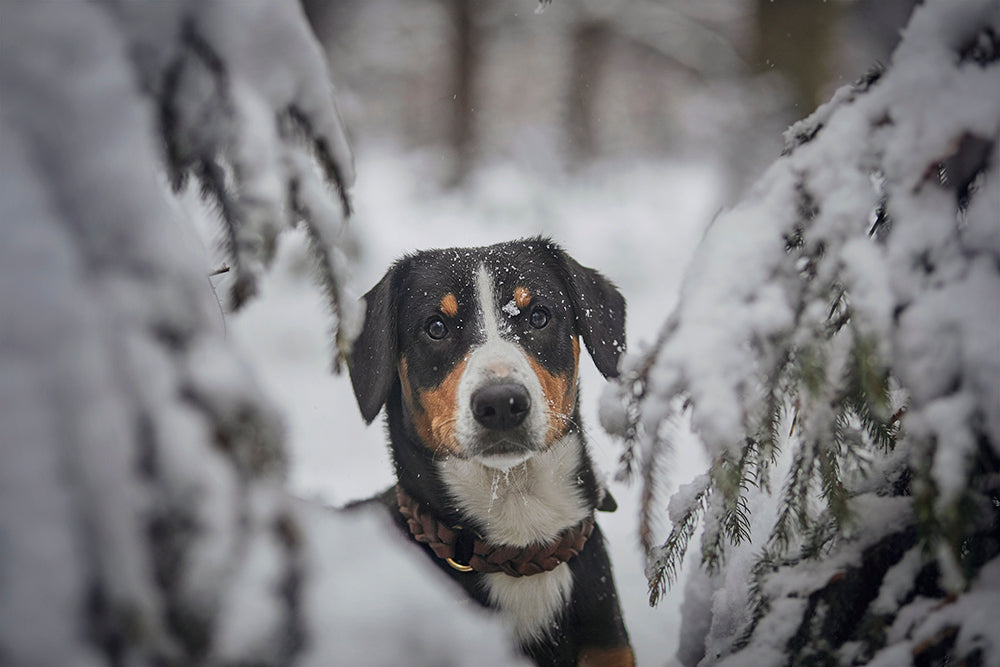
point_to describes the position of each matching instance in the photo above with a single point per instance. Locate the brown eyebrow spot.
(449, 305)
(522, 297)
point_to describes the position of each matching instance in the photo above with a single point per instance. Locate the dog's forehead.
(434, 273)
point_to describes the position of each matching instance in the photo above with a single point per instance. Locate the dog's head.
(484, 343)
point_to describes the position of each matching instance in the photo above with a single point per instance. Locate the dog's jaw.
(504, 462)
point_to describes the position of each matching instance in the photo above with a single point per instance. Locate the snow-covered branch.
(852, 297)
(260, 133)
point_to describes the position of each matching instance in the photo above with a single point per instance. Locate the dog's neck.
(530, 502)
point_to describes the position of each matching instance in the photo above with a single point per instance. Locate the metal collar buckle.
(465, 545)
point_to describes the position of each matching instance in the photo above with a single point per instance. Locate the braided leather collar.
(466, 550)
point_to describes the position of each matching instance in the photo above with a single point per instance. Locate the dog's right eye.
(436, 328)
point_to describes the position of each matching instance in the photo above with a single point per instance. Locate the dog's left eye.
(539, 318)
(436, 328)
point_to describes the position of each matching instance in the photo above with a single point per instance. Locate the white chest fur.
(529, 503)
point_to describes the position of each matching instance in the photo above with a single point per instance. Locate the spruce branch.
(811, 363)
(793, 517)
(821, 535)
(769, 446)
(766, 563)
(664, 563)
(241, 245)
(634, 385)
(323, 229)
(840, 311)
(765, 445)
(866, 393)
(734, 480)
(635, 390)
(647, 497)
(713, 543)
(320, 146)
(831, 485)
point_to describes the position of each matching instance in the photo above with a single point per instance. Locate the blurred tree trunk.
(318, 14)
(589, 53)
(796, 37)
(467, 43)
(882, 21)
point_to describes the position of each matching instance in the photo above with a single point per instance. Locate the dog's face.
(484, 343)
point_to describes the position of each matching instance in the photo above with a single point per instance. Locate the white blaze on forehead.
(487, 299)
(498, 358)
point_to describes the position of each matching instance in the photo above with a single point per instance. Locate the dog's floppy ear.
(373, 357)
(600, 312)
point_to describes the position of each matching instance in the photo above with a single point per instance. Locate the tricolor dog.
(474, 352)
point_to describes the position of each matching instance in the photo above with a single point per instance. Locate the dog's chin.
(504, 454)
(505, 461)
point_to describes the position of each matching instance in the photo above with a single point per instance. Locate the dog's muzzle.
(501, 407)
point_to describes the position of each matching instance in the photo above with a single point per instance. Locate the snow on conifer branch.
(263, 139)
(854, 292)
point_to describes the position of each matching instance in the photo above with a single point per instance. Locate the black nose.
(501, 406)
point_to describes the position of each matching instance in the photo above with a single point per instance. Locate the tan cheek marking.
(522, 297)
(560, 395)
(434, 411)
(449, 305)
(404, 383)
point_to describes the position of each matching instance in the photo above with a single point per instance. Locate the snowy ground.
(637, 223)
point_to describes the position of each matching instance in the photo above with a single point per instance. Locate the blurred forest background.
(561, 85)
(159, 453)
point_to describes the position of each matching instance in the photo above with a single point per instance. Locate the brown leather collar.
(466, 550)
